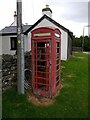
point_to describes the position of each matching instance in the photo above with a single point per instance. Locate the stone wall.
(9, 69)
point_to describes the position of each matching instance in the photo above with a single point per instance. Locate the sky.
(72, 15)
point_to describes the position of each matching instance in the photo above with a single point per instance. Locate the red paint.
(46, 50)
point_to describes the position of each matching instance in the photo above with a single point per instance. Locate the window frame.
(13, 44)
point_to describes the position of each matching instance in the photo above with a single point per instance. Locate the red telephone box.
(46, 47)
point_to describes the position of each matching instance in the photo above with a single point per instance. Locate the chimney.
(26, 23)
(47, 11)
(15, 18)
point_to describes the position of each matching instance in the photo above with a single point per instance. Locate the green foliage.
(77, 42)
(71, 103)
(86, 43)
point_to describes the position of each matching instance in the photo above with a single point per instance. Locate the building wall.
(0, 45)
(6, 45)
(64, 37)
(26, 44)
(69, 47)
(29, 41)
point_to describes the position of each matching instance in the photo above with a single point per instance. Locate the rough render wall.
(64, 38)
(0, 45)
(29, 41)
(5, 47)
(26, 43)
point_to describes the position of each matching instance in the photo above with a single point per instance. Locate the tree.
(86, 43)
(77, 42)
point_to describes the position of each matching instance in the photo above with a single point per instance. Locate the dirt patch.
(42, 101)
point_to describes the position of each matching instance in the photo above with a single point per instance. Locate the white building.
(8, 39)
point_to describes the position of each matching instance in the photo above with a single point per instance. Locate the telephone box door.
(41, 59)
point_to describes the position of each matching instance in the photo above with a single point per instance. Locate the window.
(13, 43)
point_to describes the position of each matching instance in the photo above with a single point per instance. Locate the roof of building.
(12, 30)
(51, 20)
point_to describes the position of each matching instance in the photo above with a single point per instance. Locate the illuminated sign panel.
(57, 35)
(42, 34)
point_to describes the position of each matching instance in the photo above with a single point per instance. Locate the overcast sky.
(72, 15)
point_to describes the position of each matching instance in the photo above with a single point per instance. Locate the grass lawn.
(71, 103)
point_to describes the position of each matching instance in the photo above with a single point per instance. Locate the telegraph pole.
(20, 50)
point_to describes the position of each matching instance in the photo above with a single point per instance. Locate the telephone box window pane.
(41, 63)
(57, 83)
(57, 62)
(57, 78)
(57, 50)
(57, 44)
